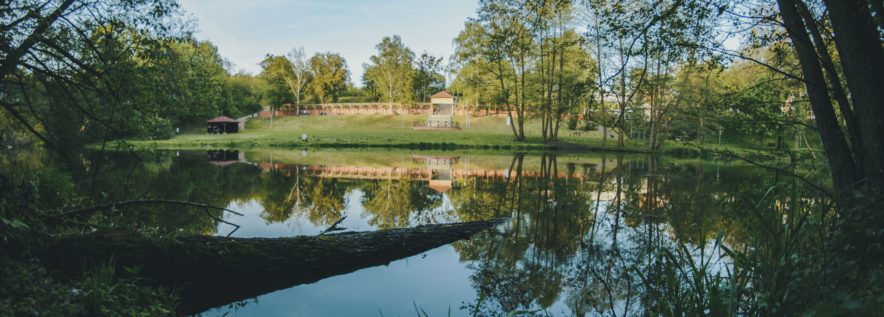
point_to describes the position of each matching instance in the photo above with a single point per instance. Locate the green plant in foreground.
(800, 258)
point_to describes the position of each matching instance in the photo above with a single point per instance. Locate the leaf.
(14, 223)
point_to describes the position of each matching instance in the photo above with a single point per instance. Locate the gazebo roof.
(441, 186)
(442, 94)
(222, 119)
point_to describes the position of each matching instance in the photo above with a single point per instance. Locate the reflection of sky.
(252, 225)
(434, 281)
(437, 281)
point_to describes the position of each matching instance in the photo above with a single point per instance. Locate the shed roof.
(442, 94)
(222, 119)
(223, 163)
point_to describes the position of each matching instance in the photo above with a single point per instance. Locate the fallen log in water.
(214, 271)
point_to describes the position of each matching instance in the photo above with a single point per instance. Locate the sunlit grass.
(488, 133)
(379, 130)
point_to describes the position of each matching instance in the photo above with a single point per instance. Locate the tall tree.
(199, 81)
(482, 75)
(243, 95)
(300, 73)
(79, 58)
(640, 33)
(856, 161)
(557, 46)
(428, 76)
(275, 73)
(330, 76)
(508, 35)
(391, 70)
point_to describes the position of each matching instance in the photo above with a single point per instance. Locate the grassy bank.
(387, 131)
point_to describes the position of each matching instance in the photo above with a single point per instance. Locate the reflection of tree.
(188, 177)
(393, 203)
(282, 195)
(596, 244)
(478, 198)
(165, 176)
(522, 269)
(326, 199)
(611, 242)
(673, 212)
(274, 196)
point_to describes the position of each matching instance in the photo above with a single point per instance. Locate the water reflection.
(596, 234)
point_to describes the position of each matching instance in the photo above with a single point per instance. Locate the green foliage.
(275, 72)
(26, 199)
(31, 197)
(193, 85)
(428, 77)
(478, 70)
(391, 203)
(243, 95)
(572, 122)
(391, 71)
(330, 76)
(103, 291)
(524, 57)
(28, 290)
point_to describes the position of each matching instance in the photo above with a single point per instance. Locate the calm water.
(584, 235)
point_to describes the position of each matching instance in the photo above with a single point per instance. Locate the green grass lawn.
(377, 130)
(395, 132)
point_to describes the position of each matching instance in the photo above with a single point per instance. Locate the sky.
(246, 30)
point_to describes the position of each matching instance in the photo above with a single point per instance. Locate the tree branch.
(144, 202)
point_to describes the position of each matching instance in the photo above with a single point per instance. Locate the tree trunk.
(652, 122)
(544, 127)
(506, 99)
(559, 101)
(521, 104)
(862, 58)
(214, 271)
(604, 134)
(837, 89)
(841, 164)
(599, 59)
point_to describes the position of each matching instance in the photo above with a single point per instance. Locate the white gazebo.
(441, 174)
(441, 114)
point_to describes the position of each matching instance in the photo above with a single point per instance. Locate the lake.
(588, 234)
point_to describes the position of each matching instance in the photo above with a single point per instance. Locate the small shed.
(223, 124)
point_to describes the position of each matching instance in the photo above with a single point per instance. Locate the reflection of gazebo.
(223, 124)
(441, 178)
(441, 114)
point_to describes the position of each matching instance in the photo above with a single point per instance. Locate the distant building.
(223, 124)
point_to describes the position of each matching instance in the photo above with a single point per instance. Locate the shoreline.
(680, 151)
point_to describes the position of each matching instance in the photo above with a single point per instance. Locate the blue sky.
(246, 30)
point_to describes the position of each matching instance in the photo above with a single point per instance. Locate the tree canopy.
(391, 71)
